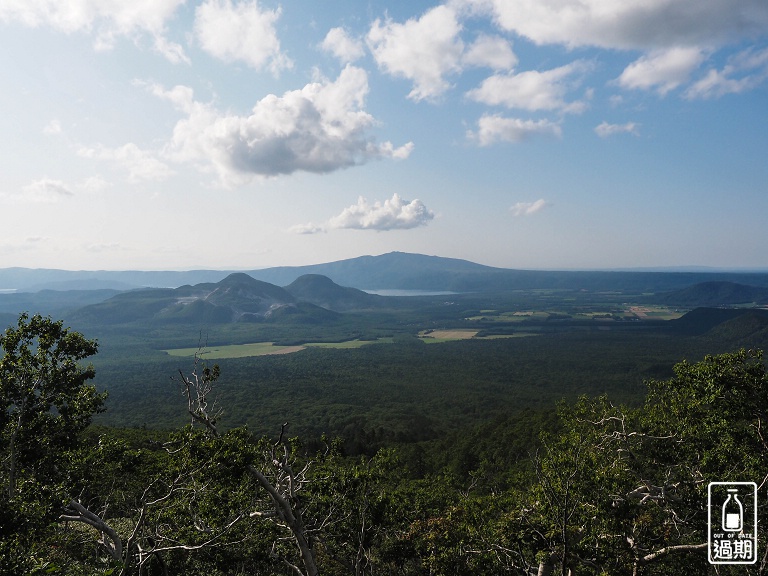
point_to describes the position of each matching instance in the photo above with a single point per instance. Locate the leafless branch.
(76, 512)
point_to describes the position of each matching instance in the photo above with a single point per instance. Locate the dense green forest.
(537, 431)
(431, 466)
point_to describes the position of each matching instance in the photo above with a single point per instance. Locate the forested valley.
(545, 432)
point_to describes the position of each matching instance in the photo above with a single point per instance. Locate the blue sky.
(163, 134)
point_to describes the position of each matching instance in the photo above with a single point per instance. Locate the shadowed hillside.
(237, 298)
(715, 293)
(322, 291)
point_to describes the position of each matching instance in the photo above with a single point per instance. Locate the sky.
(240, 134)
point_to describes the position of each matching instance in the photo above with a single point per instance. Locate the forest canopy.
(595, 488)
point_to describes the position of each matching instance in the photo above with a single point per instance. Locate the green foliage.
(46, 403)
(624, 490)
(594, 488)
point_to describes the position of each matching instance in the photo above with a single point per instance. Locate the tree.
(625, 491)
(46, 402)
(215, 492)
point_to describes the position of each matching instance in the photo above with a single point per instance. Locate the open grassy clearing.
(265, 349)
(515, 335)
(438, 336)
(434, 336)
(348, 343)
(516, 316)
(235, 350)
(655, 312)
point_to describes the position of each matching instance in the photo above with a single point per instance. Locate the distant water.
(410, 292)
(7, 290)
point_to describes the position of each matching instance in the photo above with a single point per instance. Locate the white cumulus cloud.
(394, 213)
(663, 70)
(424, 50)
(674, 36)
(490, 52)
(320, 128)
(528, 208)
(492, 128)
(240, 31)
(627, 24)
(533, 90)
(339, 43)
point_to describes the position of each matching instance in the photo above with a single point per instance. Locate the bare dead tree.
(277, 477)
(148, 540)
(198, 388)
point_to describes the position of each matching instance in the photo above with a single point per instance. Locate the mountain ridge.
(394, 270)
(324, 292)
(236, 298)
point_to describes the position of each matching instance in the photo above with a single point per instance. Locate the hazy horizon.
(681, 268)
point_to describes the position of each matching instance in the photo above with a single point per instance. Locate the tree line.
(602, 489)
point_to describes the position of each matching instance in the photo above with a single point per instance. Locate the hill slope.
(324, 292)
(236, 298)
(749, 330)
(709, 320)
(714, 293)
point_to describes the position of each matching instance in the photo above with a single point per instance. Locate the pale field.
(519, 316)
(655, 312)
(236, 350)
(348, 343)
(441, 335)
(264, 349)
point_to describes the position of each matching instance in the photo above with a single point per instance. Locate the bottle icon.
(733, 512)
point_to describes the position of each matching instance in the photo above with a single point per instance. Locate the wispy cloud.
(394, 213)
(28, 244)
(309, 228)
(492, 128)
(533, 90)
(108, 21)
(604, 129)
(140, 164)
(51, 191)
(344, 47)
(744, 71)
(45, 191)
(53, 128)
(528, 208)
(662, 70)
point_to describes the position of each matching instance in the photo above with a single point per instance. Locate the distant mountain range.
(395, 271)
